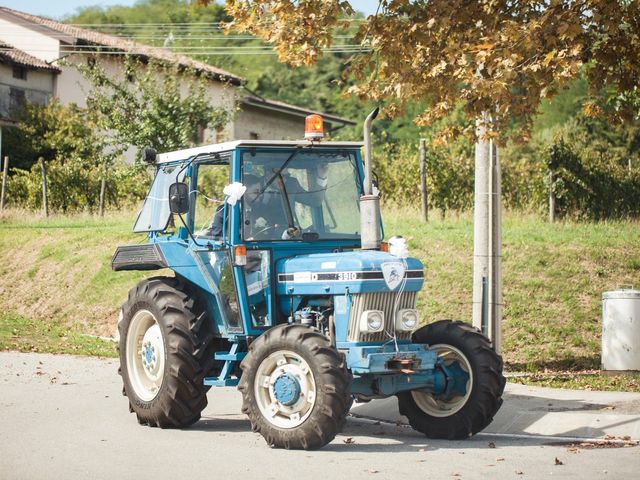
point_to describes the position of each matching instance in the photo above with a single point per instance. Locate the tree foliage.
(150, 11)
(77, 158)
(151, 104)
(495, 56)
(53, 131)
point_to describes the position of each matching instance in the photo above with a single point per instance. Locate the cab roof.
(228, 146)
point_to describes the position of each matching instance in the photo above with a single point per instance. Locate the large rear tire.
(457, 416)
(295, 388)
(166, 349)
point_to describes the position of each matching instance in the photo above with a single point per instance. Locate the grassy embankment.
(57, 286)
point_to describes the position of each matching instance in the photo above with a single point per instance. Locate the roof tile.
(13, 55)
(92, 37)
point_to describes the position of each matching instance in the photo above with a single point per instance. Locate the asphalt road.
(63, 417)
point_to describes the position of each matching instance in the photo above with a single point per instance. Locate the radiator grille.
(385, 302)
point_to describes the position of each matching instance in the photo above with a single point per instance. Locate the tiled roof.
(13, 55)
(80, 36)
(292, 109)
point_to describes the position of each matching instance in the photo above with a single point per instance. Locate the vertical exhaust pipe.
(369, 203)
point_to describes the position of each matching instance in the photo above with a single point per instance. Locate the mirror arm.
(190, 233)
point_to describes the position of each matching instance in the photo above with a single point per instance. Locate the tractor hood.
(358, 271)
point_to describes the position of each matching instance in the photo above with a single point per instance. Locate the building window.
(17, 99)
(253, 136)
(19, 72)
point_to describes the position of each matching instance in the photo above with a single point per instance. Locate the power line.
(176, 36)
(147, 50)
(214, 24)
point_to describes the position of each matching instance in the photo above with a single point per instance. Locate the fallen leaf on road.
(349, 440)
(559, 462)
(500, 459)
(518, 472)
(492, 445)
(371, 470)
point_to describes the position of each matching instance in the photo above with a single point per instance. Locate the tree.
(78, 158)
(151, 104)
(52, 131)
(498, 56)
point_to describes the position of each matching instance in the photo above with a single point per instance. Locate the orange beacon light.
(313, 127)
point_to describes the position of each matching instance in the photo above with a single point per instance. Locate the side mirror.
(149, 155)
(179, 198)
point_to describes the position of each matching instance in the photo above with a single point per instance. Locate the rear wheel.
(295, 388)
(166, 349)
(468, 408)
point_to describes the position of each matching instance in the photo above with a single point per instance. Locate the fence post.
(5, 171)
(552, 198)
(423, 179)
(103, 185)
(45, 198)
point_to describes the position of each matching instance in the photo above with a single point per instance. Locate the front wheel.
(469, 408)
(295, 388)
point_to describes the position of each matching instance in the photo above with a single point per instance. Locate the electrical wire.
(213, 51)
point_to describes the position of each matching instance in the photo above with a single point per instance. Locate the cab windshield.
(314, 197)
(155, 213)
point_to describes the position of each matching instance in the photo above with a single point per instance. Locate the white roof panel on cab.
(226, 146)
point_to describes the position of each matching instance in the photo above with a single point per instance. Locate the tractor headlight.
(406, 319)
(372, 321)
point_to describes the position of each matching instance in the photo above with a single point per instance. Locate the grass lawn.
(57, 285)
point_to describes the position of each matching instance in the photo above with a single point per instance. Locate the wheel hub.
(151, 349)
(145, 355)
(457, 368)
(287, 389)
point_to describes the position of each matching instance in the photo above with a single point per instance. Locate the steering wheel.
(264, 230)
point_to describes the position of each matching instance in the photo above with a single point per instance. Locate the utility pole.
(487, 238)
(423, 179)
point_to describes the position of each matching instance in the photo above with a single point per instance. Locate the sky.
(61, 8)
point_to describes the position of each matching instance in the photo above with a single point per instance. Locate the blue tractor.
(284, 288)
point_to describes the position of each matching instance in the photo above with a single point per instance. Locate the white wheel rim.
(275, 367)
(145, 355)
(437, 407)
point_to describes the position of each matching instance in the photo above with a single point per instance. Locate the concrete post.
(487, 233)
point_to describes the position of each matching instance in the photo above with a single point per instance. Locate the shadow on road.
(221, 424)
